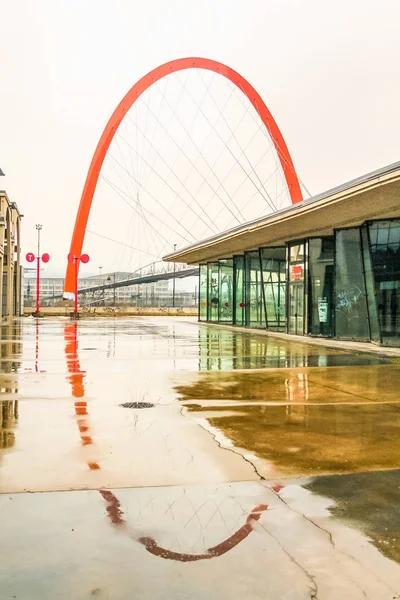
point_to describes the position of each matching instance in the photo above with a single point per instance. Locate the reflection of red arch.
(75, 378)
(134, 93)
(116, 516)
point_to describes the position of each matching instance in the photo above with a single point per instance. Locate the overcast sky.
(328, 71)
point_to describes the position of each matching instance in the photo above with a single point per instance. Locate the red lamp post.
(75, 259)
(30, 257)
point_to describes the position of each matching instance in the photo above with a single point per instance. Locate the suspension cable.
(233, 155)
(171, 188)
(205, 180)
(120, 192)
(238, 143)
(121, 243)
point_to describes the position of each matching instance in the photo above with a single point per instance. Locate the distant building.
(51, 289)
(10, 249)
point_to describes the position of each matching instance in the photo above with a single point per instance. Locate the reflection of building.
(328, 266)
(223, 349)
(9, 365)
(8, 420)
(10, 270)
(10, 349)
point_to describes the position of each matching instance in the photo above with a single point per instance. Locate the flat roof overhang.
(373, 196)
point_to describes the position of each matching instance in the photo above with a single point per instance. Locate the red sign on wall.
(296, 272)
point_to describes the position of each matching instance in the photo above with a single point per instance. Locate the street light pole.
(76, 259)
(173, 283)
(30, 257)
(38, 229)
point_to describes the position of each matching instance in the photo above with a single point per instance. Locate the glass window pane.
(351, 306)
(297, 253)
(203, 293)
(296, 303)
(212, 299)
(239, 311)
(273, 261)
(383, 235)
(386, 268)
(226, 290)
(394, 236)
(373, 234)
(321, 270)
(370, 288)
(254, 303)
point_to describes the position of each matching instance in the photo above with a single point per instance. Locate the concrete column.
(9, 255)
(10, 281)
(17, 267)
(10, 271)
(2, 228)
(1, 285)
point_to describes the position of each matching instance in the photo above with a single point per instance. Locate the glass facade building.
(346, 286)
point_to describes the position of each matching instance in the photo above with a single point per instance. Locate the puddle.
(301, 441)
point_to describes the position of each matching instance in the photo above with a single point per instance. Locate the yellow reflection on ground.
(304, 421)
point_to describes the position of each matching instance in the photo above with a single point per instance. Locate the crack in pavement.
(332, 542)
(311, 578)
(220, 445)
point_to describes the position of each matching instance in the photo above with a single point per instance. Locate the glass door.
(254, 314)
(297, 277)
(321, 289)
(296, 308)
(212, 292)
(273, 274)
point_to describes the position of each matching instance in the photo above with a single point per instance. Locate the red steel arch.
(123, 107)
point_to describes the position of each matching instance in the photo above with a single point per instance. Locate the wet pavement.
(158, 458)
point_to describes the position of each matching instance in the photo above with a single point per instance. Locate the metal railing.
(140, 300)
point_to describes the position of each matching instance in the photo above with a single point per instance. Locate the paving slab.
(157, 458)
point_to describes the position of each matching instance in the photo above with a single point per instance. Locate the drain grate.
(137, 405)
